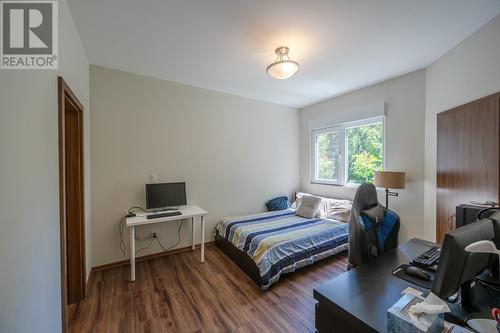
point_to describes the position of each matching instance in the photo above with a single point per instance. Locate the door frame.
(65, 94)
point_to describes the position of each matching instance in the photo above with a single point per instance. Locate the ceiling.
(226, 45)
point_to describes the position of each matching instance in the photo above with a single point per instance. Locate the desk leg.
(193, 235)
(132, 254)
(202, 238)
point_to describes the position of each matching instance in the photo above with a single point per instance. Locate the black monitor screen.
(160, 195)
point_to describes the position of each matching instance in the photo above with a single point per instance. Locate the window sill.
(348, 185)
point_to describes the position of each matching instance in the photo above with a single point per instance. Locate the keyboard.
(428, 259)
(160, 215)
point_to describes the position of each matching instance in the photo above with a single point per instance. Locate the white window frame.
(314, 135)
(341, 128)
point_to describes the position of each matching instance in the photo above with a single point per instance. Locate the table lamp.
(389, 179)
(484, 246)
(484, 325)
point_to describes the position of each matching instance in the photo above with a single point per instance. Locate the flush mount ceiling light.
(282, 67)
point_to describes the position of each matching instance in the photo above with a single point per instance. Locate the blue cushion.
(278, 203)
(385, 228)
(364, 220)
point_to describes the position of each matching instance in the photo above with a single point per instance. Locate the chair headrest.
(375, 214)
(365, 197)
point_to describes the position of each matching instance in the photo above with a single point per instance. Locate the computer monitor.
(456, 266)
(162, 195)
(466, 272)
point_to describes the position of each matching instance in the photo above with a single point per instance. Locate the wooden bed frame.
(240, 258)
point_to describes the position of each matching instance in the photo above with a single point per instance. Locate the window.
(348, 153)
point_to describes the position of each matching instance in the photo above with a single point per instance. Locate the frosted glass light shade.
(282, 69)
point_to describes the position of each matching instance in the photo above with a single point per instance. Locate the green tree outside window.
(364, 152)
(328, 156)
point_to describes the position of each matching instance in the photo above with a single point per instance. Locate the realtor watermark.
(29, 35)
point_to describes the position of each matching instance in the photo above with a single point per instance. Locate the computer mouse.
(417, 273)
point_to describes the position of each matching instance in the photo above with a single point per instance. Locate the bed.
(268, 245)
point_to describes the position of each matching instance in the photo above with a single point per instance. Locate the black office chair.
(373, 229)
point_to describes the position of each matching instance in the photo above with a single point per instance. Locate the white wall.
(404, 99)
(234, 153)
(469, 71)
(30, 289)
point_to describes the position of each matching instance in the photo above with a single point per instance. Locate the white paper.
(412, 292)
(431, 305)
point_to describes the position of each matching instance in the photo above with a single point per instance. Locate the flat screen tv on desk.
(164, 195)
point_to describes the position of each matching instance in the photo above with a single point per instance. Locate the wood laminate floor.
(177, 293)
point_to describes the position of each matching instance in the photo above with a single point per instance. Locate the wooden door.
(72, 206)
(468, 142)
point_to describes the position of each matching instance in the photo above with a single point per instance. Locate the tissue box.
(399, 321)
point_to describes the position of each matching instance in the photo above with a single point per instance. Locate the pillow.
(278, 203)
(298, 198)
(309, 206)
(341, 215)
(337, 209)
(323, 209)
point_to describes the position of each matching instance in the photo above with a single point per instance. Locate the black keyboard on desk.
(160, 215)
(428, 259)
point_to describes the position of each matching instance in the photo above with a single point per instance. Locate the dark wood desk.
(357, 300)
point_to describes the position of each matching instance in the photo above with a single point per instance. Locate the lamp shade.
(390, 179)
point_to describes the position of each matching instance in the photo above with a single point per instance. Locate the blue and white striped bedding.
(280, 242)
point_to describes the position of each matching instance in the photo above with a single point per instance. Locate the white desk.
(187, 212)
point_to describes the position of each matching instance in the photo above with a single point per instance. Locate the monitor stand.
(476, 300)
